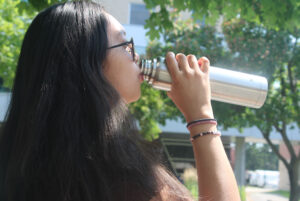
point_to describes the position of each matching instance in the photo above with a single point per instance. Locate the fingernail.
(172, 54)
(199, 62)
(203, 60)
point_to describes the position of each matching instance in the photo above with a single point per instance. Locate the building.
(132, 15)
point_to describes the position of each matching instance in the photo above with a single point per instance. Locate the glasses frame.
(126, 43)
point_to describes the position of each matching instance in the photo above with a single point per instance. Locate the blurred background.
(259, 37)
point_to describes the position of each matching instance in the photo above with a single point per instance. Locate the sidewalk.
(262, 194)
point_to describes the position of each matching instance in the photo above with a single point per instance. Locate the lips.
(141, 77)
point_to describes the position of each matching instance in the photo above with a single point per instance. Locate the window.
(138, 14)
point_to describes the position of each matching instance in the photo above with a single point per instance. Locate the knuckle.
(189, 72)
(192, 60)
(198, 73)
(189, 75)
(180, 56)
(191, 56)
(174, 76)
(175, 81)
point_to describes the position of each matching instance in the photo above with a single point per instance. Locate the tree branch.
(291, 78)
(290, 64)
(286, 140)
(273, 147)
(283, 94)
(277, 128)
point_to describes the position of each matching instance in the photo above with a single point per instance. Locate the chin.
(134, 98)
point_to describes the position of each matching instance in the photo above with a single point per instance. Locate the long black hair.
(68, 136)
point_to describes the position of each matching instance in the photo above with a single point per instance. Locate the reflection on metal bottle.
(226, 85)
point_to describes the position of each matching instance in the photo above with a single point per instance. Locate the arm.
(216, 180)
(191, 94)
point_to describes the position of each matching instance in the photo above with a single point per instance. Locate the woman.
(68, 134)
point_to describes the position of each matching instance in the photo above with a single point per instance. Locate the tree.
(277, 14)
(254, 49)
(264, 35)
(254, 33)
(12, 29)
(280, 50)
(16, 15)
(260, 157)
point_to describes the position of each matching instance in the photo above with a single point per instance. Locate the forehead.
(115, 29)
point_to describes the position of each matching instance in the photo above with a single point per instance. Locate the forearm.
(191, 93)
(216, 180)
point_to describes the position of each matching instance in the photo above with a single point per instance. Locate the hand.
(190, 89)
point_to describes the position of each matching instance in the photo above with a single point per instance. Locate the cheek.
(125, 82)
(129, 89)
(123, 76)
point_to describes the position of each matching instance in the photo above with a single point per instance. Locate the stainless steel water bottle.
(226, 85)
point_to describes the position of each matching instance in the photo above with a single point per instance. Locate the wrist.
(202, 115)
(202, 128)
(191, 124)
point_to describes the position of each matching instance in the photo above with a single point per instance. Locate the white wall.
(120, 9)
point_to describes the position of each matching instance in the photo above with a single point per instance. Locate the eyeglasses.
(129, 47)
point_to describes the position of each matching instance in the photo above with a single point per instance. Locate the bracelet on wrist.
(217, 133)
(201, 121)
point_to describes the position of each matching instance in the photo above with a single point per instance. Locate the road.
(262, 194)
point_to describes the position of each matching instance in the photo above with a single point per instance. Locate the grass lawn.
(281, 192)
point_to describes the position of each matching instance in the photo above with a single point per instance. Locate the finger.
(193, 62)
(204, 64)
(182, 62)
(172, 64)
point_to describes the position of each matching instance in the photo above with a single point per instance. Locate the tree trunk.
(293, 172)
(294, 192)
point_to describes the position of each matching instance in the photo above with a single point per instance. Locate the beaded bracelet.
(201, 121)
(218, 133)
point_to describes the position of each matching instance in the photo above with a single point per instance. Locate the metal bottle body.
(226, 85)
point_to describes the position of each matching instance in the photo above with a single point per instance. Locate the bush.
(192, 186)
(242, 193)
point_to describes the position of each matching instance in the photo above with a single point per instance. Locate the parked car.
(264, 178)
